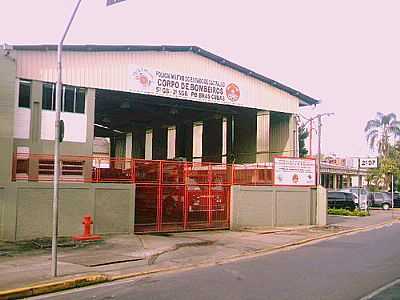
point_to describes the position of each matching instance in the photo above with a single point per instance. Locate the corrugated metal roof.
(304, 99)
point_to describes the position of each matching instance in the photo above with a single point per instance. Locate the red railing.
(34, 167)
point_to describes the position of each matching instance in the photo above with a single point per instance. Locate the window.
(69, 99)
(73, 98)
(24, 99)
(80, 101)
(48, 98)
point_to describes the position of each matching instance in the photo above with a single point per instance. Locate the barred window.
(24, 98)
(72, 98)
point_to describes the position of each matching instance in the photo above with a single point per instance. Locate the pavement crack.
(152, 258)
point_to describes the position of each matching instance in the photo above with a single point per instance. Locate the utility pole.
(58, 137)
(392, 192)
(319, 119)
(319, 151)
(57, 141)
(311, 129)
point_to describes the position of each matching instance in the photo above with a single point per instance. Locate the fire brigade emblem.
(232, 92)
(143, 78)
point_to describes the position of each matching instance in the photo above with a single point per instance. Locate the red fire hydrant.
(87, 234)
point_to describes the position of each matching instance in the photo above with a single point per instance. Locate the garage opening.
(177, 151)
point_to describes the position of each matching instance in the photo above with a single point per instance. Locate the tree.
(380, 178)
(303, 134)
(381, 130)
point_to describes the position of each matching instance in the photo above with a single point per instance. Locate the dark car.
(341, 200)
(380, 199)
(396, 198)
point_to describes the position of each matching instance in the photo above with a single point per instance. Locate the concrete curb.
(56, 286)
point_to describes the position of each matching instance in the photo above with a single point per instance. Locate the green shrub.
(346, 212)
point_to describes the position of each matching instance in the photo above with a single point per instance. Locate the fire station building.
(128, 112)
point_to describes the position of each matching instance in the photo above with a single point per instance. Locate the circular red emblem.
(232, 92)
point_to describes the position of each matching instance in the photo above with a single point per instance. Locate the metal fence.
(169, 196)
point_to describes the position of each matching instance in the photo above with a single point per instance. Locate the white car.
(362, 192)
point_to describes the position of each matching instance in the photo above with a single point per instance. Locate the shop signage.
(182, 86)
(294, 171)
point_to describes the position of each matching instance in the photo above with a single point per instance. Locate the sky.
(342, 52)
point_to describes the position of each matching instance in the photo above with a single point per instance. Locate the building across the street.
(339, 173)
(130, 114)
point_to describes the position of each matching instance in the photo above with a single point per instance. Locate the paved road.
(348, 267)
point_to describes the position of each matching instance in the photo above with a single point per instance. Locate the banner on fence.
(290, 171)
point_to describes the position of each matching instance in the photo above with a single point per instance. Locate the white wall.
(75, 126)
(22, 123)
(110, 70)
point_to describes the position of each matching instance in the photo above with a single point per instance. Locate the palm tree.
(380, 130)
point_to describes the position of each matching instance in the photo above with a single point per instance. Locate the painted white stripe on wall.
(22, 123)
(75, 126)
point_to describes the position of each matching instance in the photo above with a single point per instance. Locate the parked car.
(380, 199)
(360, 196)
(341, 199)
(396, 198)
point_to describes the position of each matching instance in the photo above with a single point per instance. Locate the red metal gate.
(177, 196)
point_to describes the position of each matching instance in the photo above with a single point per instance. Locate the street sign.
(368, 163)
(111, 2)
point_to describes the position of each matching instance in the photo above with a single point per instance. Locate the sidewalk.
(122, 256)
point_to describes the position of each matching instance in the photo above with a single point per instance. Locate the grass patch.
(346, 212)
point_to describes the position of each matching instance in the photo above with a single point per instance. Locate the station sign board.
(368, 163)
(291, 171)
(180, 85)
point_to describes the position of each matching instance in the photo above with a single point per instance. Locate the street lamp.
(58, 134)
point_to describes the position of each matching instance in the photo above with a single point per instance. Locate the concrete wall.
(27, 209)
(258, 206)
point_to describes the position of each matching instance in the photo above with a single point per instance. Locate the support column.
(245, 137)
(184, 140)
(159, 145)
(128, 145)
(36, 129)
(282, 134)
(197, 141)
(212, 140)
(262, 136)
(230, 134)
(138, 142)
(334, 177)
(148, 148)
(171, 142)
